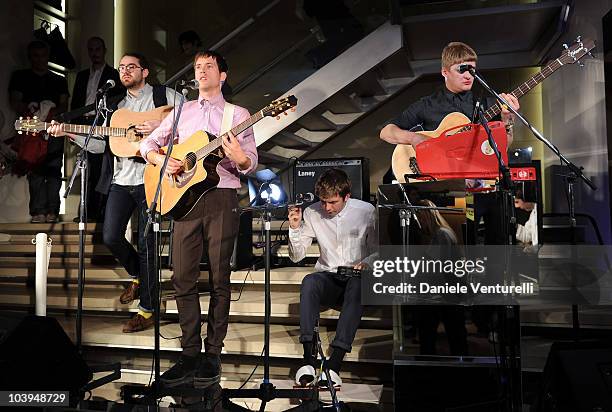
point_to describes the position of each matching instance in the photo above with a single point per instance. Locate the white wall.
(574, 115)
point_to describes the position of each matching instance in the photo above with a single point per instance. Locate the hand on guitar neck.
(234, 152)
(57, 130)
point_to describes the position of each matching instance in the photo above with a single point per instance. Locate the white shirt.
(92, 86)
(127, 171)
(346, 239)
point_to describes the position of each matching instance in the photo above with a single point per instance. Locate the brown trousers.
(214, 221)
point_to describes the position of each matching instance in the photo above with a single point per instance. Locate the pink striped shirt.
(206, 115)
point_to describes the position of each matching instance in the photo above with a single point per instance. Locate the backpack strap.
(159, 95)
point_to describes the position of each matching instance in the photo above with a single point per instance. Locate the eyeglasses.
(129, 68)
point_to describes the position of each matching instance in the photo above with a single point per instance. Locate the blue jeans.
(121, 202)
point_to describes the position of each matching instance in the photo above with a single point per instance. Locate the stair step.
(393, 85)
(313, 135)
(105, 298)
(281, 276)
(69, 253)
(342, 119)
(286, 152)
(370, 345)
(351, 392)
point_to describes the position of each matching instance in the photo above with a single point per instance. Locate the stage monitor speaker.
(577, 378)
(445, 383)
(242, 255)
(36, 354)
(306, 173)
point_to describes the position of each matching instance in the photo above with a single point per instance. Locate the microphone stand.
(152, 220)
(267, 391)
(81, 166)
(575, 174)
(506, 188)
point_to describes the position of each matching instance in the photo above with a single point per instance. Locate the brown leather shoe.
(130, 293)
(138, 323)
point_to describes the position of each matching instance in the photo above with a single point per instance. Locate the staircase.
(369, 363)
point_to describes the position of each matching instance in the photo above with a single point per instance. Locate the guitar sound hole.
(190, 161)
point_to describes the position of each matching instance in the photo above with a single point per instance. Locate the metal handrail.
(231, 35)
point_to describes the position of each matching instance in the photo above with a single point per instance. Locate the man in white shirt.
(345, 230)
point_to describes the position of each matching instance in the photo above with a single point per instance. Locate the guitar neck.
(236, 130)
(84, 129)
(524, 88)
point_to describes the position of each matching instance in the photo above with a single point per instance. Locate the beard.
(130, 82)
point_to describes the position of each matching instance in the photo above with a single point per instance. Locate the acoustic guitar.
(200, 153)
(123, 139)
(404, 159)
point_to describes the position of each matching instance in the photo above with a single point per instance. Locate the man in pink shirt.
(214, 220)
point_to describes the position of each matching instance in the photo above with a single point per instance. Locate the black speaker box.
(443, 384)
(306, 173)
(577, 378)
(38, 355)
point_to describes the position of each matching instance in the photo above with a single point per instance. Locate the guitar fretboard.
(524, 88)
(216, 143)
(84, 129)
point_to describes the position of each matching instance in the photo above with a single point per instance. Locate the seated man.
(345, 231)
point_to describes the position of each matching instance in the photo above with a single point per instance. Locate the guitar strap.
(228, 117)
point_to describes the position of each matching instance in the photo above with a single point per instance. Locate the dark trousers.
(44, 193)
(487, 207)
(45, 181)
(95, 200)
(214, 221)
(321, 288)
(122, 200)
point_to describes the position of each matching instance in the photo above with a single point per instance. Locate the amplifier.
(306, 173)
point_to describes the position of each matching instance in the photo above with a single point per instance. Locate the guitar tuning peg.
(35, 117)
(20, 132)
(590, 55)
(579, 39)
(565, 46)
(580, 64)
(20, 117)
(285, 113)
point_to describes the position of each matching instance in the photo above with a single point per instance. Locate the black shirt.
(429, 111)
(35, 88)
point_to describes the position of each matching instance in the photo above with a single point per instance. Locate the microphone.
(304, 197)
(110, 83)
(466, 68)
(193, 84)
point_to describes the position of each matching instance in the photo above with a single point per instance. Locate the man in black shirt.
(455, 96)
(27, 89)
(428, 112)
